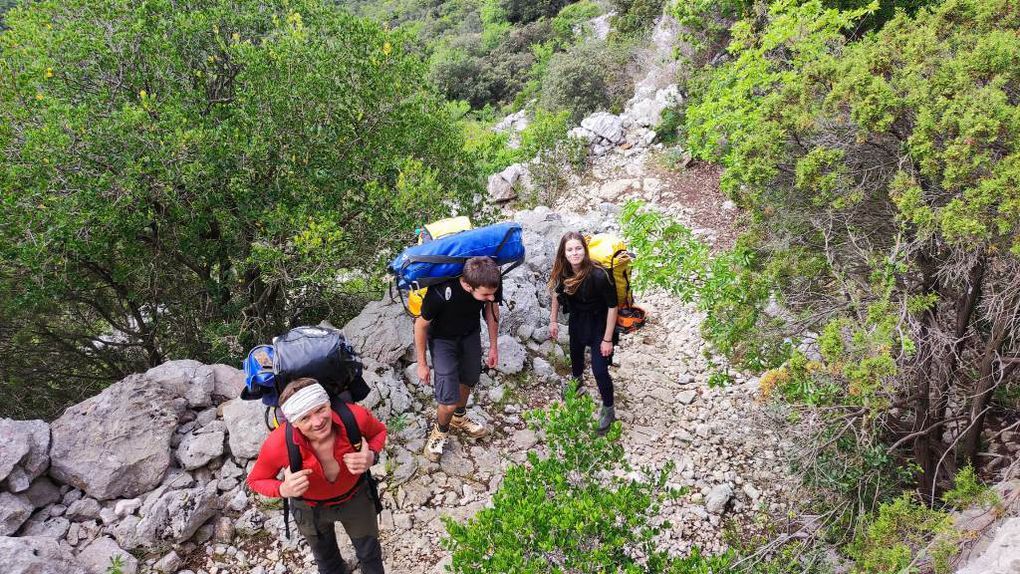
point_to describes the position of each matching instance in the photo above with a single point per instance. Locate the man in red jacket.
(331, 485)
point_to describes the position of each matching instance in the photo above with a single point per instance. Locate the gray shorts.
(456, 362)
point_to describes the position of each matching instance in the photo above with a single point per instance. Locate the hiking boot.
(467, 427)
(606, 418)
(435, 444)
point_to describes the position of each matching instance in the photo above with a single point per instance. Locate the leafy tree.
(881, 178)
(183, 180)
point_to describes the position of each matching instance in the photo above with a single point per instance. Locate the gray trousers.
(357, 515)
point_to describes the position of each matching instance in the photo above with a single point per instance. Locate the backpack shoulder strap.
(293, 454)
(294, 461)
(350, 423)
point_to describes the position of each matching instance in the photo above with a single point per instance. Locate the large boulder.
(246, 427)
(382, 331)
(37, 555)
(117, 443)
(189, 379)
(542, 232)
(25, 453)
(99, 554)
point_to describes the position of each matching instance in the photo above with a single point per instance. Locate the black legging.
(586, 331)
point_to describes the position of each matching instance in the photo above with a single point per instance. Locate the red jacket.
(273, 458)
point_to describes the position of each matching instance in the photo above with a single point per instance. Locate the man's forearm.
(420, 336)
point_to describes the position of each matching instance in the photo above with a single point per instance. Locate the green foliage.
(731, 287)
(116, 565)
(634, 16)
(705, 24)
(892, 539)
(546, 139)
(572, 18)
(524, 11)
(587, 77)
(184, 180)
(968, 491)
(571, 511)
(488, 68)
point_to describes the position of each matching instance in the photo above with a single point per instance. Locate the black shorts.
(456, 362)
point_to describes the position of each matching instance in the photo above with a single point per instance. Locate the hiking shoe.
(435, 444)
(468, 427)
(606, 418)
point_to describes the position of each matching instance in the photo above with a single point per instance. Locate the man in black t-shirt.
(449, 326)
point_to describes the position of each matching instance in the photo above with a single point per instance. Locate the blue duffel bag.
(443, 259)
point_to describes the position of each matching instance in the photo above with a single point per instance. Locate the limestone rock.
(42, 492)
(14, 511)
(227, 382)
(98, 554)
(127, 449)
(37, 555)
(511, 355)
(381, 332)
(605, 125)
(42, 524)
(717, 499)
(503, 186)
(188, 379)
(198, 449)
(246, 427)
(25, 455)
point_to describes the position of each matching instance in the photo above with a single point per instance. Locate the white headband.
(304, 401)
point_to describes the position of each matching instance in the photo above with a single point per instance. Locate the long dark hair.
(563, 272)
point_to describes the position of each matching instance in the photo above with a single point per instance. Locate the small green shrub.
(570, 512)
(892, 539)
(968, 491)
(572, 17)
(634, 16)
(116, 565)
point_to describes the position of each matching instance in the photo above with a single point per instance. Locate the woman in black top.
(588, 296)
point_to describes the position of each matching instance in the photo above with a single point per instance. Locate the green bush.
(967, 491)
(587, 77)
(572, 17)
(633, 16)
(900, 535)
(572, 511)
(524, 11)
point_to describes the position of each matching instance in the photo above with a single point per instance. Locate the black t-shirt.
(452, 311)
(596, 294)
